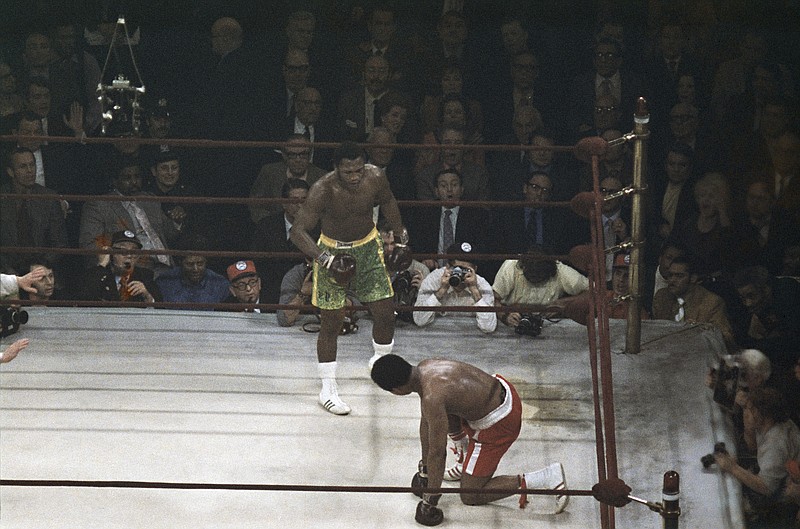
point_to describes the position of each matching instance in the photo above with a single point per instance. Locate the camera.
(708, 459)
(457, 276)
(10, 320)
(529, 325)
(405, 294)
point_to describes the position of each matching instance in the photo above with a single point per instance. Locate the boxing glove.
(342, 268)
(420, 480)
(400, 258)
(427, 512)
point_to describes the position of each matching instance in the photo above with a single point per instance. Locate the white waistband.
(497, 414)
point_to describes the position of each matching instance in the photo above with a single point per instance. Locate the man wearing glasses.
(245, 285)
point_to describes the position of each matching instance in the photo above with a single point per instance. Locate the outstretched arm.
(13, 350)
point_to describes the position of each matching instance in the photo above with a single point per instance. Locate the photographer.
(535, 280)
(457, 284)
(296, 289)
(776, 440)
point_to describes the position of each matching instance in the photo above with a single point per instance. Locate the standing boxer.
(349, 250)
(461, 401)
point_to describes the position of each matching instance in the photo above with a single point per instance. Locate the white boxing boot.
(550, 477)
(329, 396)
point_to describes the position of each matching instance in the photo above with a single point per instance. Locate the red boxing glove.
(400, 259)
(342, 269)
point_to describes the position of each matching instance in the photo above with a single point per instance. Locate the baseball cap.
(241, 269)
(125, 236)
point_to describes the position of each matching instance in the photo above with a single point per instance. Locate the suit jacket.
(351, 117)
(270, 236)
(324, 132)
(101, 285)
(471, 226)
(102, 218)
(474, 180)
(268, 184)
(45, 221)
(700, 306)
(582, 96)
(560, 229)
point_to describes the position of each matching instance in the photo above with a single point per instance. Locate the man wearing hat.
(116, 276)
(457, 284)
(245, 285)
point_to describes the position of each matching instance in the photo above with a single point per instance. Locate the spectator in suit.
(535, 224)
(116, 276)
(145, 219)
(435, 229)
(474, 178)
(310, 122)
(272, 235)
(295, 71)
(608, 77)
(684, 300)
(772, 324)
(671, 197)
(25, 222)
(450, 81)
(615, 218)
(783, 173)
(167, 181)
(763, 230)
(453, 112)
(356, 111)
(384, 41)
(398, 171)
(245, 285)
(74, 75)
(446, 286)
(295, 163)
(510, 168)
(11, 101)
(395, 112)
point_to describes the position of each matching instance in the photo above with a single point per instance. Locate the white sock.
(382, 348)
(327, 373)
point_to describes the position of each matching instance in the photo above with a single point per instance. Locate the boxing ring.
(126, 417)
(230, 398)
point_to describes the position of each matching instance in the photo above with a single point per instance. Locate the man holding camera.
(405, 282)
(535, 280)
(457, 284)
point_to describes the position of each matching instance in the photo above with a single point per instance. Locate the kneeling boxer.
(459, 399)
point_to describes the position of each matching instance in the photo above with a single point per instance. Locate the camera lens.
(20, 316)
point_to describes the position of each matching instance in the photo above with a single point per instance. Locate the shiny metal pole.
(641, 130)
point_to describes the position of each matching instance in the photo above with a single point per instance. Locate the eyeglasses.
(312, 102)
(246, 285)
(605, 110)
(682, 117)
(303, 154)
(605, 55)
(537, 187)
(608, 190)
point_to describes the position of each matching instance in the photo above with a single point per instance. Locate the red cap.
(622, 260)
(241, 269)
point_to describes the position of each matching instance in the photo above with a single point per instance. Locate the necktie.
(605, 87)
(307, 133)
(290, 106)
(447, 230)
(681, 312)
(378, 53)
